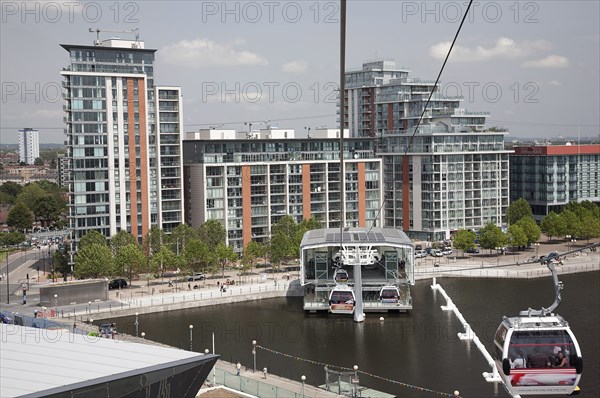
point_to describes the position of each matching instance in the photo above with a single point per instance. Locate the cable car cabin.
(341, 300)
(340, 276)
(537, 355)
(389, 294)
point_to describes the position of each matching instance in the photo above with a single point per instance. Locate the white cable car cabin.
(342, 300)
(340, 276)
(537, 353)
(389, 294)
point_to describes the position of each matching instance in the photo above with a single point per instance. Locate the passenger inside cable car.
(542, 348)
(341, 297)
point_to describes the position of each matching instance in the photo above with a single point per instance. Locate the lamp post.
(303, 378)
(497, 256)
(143, 335)
(191, 336)
(88, 307)
(56, 305)
(137, 324)
(573, 241)
(537, 250)
(7, 286)
(254, 355)
(355, 381)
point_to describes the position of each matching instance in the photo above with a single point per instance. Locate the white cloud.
(503, 48)
(551, 61)
(202, 53)
(295, 67)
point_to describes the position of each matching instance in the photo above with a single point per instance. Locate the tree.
(570, 223)
(590, 225)
(60, 262)
(92, 237)
(11, 238)
(305, 226)
(518, 210)
(212, 232)
(181, 235)
(225, 254)
(516, 236)
(253, 250)
(9, 192)
(94, 260)
(122, 239)
(153, 241)
(130, 261)
(552, 225)
(38, 162)
(198, 255)
(283, 242)
(53, 164)
(491, 236)
(31, 194)
(165, 260)
(464, 239)
(20, 217)
(47, 209)
(530, 228)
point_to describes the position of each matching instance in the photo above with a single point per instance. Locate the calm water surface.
(419, 348)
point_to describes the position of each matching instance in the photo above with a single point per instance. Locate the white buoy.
(456, 393)
(381, 318)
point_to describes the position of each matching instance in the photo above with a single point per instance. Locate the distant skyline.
(533, 65)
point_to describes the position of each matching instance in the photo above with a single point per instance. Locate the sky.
(533, 64)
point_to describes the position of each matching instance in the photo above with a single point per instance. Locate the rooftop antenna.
(135, 32)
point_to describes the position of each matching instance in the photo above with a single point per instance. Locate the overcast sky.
(533, 64)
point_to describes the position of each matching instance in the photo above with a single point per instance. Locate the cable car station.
(356, 271)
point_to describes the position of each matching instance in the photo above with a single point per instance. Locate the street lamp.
(303, 378)
(537, 250)
(191, 336)
(498, 256)
(137, 324)
(56, 305)
(143, 335)
(254, 355)
(573, 241)
(355, 381)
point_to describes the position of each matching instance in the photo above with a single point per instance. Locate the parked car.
(436, 253)
(420, 254)
(447, 251)
(472, 250)
(117, 284)
(197, 276)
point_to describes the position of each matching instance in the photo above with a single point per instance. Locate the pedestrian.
(238, 367)
(35, 313)
(189, 286)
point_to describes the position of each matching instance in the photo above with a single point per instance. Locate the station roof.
(41, 362)
(355, 236)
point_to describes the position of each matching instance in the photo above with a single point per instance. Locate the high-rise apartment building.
(29, 145)
(124, 165)
(550, 176)
(249, 182)
(452, 174)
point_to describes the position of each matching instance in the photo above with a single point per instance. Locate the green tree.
(9, 192)
(518, 210)
(225, 254)
(11, 238)
(464, 240)
(38, 162)
(20, 217)
(165, 260)
(53, 164)
(253, 250)
(570, 223)
(491, 236)
(212, 232)
(130, 261)
(60, 262)
(122, 239)
(531, 229)
(198, 255)
(283, 242)
(31, 194)
(305, 226)
(48, 209)
(92, 237)
(153, 241)
(589, 225)
(94, 260)
(552, 225)
(181, 235)
(516, 236)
